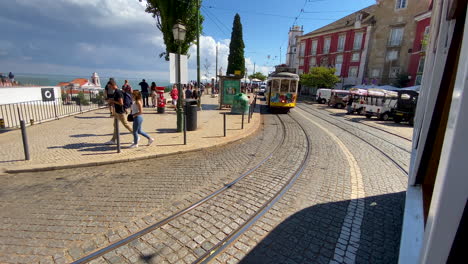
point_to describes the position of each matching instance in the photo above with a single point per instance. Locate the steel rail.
(379, 150)
(218, 248)
(134, 236)
(308, 108)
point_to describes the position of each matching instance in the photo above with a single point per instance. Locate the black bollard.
(242, 126)
(118, 133)
(250, 109)
(224, 118)
(185, 128)
(25, 140)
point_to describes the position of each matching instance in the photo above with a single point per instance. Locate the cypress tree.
(236, 61)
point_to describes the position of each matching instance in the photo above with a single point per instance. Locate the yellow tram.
(281, 93)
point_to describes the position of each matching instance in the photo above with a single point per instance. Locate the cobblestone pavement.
(60, 215)
(189, 237)
(79, 139)
(347, 207)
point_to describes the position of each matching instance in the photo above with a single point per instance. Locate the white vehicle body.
(380, 103)
(323, 95)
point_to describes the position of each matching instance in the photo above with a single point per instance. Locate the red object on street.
(161, 99)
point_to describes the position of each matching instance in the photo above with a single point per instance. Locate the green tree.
(320, 77)
(236, 61)
(167, 13)
(258, 75)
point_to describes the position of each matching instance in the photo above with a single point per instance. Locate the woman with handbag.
(137, 111)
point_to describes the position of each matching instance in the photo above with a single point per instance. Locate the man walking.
(144, 92)
(119, 112)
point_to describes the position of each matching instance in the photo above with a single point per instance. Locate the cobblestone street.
(345, 207)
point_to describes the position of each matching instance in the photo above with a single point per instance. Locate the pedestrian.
(144, 92)
(174, 95)
(127, 86)
(110, 95)
(202, 89)
(153, 94)
(350, 104)
(137, 111)
(195, 94)
(188, 93)
(119, 112)
(12, 77)
(127, 93)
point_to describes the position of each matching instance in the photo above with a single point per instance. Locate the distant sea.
(53, 80)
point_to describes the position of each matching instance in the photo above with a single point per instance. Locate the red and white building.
(342, 45)
(416, 64)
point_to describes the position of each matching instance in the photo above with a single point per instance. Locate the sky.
(117, 37)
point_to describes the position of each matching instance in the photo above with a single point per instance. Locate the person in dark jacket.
(144, 92)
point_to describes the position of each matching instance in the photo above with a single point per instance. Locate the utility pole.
(216, 72)
(198, 51)
(254, 69)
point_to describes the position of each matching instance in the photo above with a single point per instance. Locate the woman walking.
(137, 110)
(153, 94)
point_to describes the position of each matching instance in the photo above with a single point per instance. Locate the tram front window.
(275, 87)
(284, 86)
(293, 86)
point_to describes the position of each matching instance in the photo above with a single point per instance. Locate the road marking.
(348, 243)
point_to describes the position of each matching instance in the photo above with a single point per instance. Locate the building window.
(357, 40)
(338, 64)
(313, 62)
(341, 42)
(301, 62)
(302, 49)
(392, 55)
(355, 56)
(396, 36)
(375, 73)
(421, 65)
(314, 47)
(326, 47)
(401, 4)
(294, 50)
(353, 71)
(418, 79)
(301, 71)
(394, 71)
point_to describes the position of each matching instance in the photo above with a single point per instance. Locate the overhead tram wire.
(216, 23)
(215, 17)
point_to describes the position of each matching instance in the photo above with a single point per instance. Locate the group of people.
(124, 103)
(6, 81)
(189, 92)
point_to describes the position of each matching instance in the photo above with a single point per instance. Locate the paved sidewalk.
(79, 140)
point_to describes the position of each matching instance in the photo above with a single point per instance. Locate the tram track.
(277, 183)
(396, 163)
(376, 136)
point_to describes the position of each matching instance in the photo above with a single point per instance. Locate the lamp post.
(179, 36)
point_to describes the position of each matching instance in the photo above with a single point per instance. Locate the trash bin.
(240, 104)
(191, 114)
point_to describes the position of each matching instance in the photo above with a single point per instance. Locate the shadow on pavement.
(89, 135)
(167, 130)
(311, 235)
(92, 117)
(87, 147)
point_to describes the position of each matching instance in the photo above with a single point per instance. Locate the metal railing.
(71, 102)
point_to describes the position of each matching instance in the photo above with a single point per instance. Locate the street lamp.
(179, 36)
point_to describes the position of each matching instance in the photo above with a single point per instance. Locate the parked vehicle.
(262, 89)
(406, 106)
(338, 98)
(359, 100)
(380, 103)
(323, 95)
